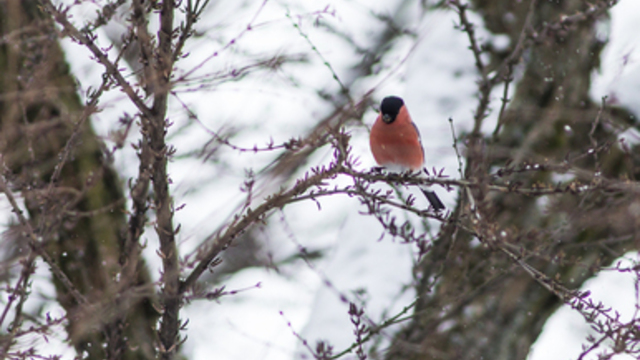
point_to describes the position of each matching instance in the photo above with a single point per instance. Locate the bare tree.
(535, 236)
(74, 199)
(498, 296)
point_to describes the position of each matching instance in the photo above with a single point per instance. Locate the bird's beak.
(386, 118)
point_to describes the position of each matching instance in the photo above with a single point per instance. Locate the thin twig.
(89, 42)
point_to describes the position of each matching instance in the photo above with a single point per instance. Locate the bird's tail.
(434, 200)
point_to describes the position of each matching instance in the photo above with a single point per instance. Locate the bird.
(395, 143)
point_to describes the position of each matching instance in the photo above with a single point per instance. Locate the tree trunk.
(73, 195)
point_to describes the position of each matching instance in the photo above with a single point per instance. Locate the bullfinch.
(395, 142)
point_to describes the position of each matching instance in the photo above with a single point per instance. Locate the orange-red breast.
(395, 142)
